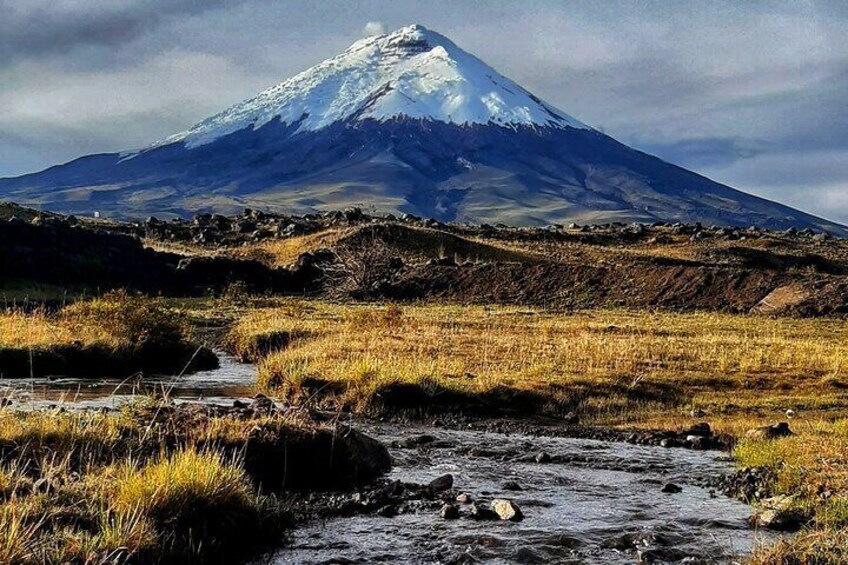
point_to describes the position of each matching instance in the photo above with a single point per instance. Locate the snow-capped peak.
(413, 72)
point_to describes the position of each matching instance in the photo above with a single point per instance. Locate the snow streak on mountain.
(411, 73)
(403, 122)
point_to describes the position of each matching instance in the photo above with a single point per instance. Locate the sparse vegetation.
(114, 334)
(615, 367)
(91, 487)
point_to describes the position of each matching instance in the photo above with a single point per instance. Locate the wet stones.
(511, 485)
(441, 484)
(507, 510)
(749, 484)
(449, 511)
(779, 513)
(773, 431)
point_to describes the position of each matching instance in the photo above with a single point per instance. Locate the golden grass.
(826, 546)
(623, 368)
(284, 252)
(812, 466)
(116, 494)
(719, 362)
(115, 320)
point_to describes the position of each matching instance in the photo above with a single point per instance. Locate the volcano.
(405, 122)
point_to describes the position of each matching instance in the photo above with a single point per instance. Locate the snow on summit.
(412, 73)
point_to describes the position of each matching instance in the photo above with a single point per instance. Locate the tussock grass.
(616, 366)
(827, 546)
(116, 319)
(113, 335)
(131, 487)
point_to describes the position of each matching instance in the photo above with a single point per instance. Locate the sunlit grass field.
(622, 368)
(613, 366)
(89, 487)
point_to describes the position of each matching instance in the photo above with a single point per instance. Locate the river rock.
(441, 484)
(481, 512)
(511, 485)
(507, 510)
(543, 458)
(671, 488)
(388, 511)
(449, 512)
(779, 513)
(774, 431)
(262, 404)
(463, 498)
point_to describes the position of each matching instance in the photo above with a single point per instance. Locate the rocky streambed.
(475, 493)
(452, 497)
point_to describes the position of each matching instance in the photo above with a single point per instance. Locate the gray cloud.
(31, 28)
(751, 94)
(706, 151)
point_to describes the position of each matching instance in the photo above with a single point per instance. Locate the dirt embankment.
(352, 255)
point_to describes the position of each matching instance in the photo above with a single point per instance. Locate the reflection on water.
(220, 386)
(604, 507)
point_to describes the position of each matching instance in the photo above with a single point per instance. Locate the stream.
(605, 506)
(597, 503)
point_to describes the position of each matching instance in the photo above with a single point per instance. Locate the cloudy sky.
(751, 94)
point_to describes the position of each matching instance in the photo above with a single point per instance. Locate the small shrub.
(131, 320)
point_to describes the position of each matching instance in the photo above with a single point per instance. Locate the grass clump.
(141, 486)
(113, 335)
(191, 504)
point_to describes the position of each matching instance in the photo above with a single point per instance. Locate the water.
(598, 509)
(219, 386)
(602, 506)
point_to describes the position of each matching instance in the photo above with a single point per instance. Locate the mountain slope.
(404, 122)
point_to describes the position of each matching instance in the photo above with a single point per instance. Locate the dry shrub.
(133, 320)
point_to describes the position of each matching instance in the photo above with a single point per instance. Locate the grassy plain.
(619, 368)
(610, 367)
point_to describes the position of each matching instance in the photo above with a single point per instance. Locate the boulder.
(542, 457)
(507, 510)
(773, 431)
(779, 513)
(441, 484)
